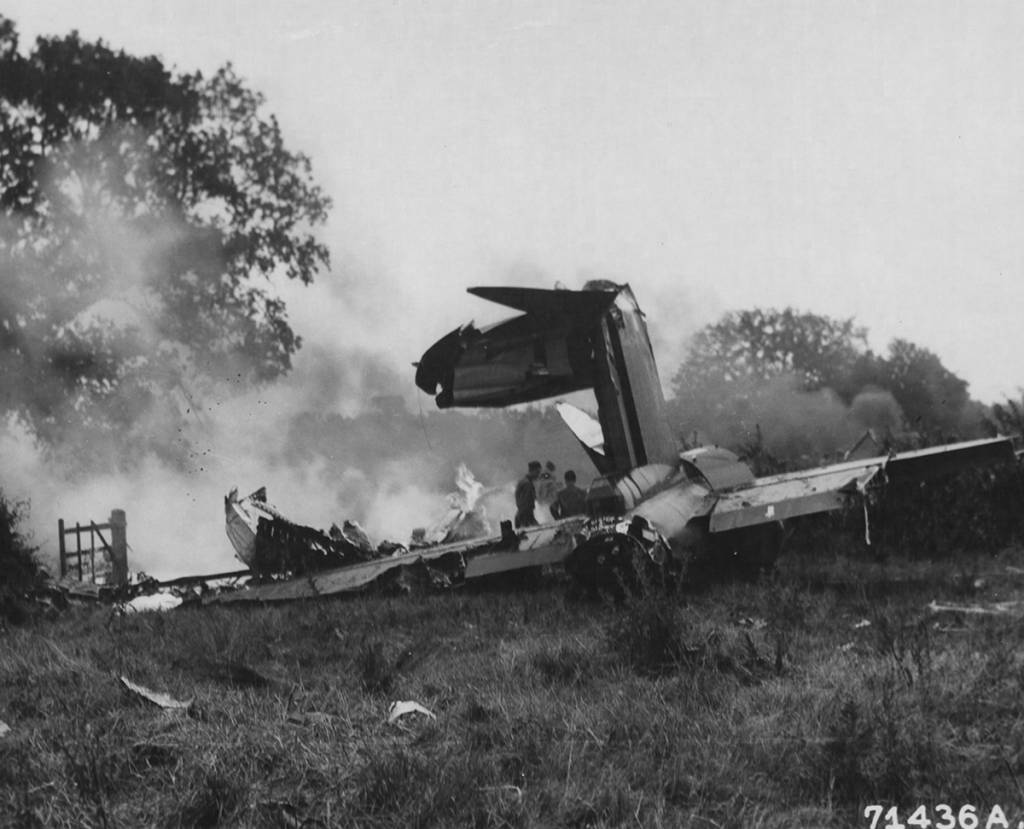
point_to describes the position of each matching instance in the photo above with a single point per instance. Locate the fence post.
(63, 551)
(118, 547)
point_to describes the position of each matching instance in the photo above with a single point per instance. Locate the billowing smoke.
(326, 453)
(116, 306)
(343, 436)
(794, 426)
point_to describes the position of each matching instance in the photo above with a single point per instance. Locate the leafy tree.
(933, 399)
(765, 344)
(1007, 418)
(765, 379)
(811, 385)
(142, 214)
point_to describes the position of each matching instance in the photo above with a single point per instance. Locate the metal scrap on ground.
(995, 609)
(154, 601)
(157, 697)
(429, 567)
(401, 708)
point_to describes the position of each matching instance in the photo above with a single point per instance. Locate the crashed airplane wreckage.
(653, 503)
(317, 563)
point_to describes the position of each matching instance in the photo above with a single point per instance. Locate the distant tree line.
(808, 384)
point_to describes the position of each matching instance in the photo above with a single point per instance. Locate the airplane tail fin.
(564, 341)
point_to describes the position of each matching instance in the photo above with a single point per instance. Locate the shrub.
(19, 569)
(650, 634)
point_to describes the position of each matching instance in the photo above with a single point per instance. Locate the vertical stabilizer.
(631, 405)
(563, 341)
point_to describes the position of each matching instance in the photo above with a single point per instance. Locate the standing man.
(547, 486)
(526, 496)
(571, 500)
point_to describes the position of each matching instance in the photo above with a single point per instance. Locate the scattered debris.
(234, 673)
(999, 608)
(269, 544)
(445, 565)
(400, 709)
(86, 591)
(156, 697)
(273, 546)
(863, 623)
(355, 535)
(752, 622)
(153, 602)
(5, 729)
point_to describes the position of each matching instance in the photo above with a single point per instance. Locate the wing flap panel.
(770, 500)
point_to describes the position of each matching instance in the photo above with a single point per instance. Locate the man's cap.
(534, 465)
(550, 465)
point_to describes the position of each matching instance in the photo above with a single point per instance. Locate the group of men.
(539, 485)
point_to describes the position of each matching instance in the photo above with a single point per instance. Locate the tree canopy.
(811, 383)
(764, 344)
(143, 213)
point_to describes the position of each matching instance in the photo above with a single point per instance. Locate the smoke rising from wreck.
(343, 436)
(340, 437)
(793, 425)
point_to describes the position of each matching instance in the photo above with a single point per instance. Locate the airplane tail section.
(564, 341)
(630, 402)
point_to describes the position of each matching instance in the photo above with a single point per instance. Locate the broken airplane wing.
(826, 488)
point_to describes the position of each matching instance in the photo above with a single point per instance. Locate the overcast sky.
(853, 158)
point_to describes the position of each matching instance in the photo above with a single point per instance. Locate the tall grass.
(740, 705)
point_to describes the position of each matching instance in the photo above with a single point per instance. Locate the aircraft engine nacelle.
(663, 531)
(668, 531)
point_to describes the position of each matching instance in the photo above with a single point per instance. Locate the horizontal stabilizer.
(546, 302)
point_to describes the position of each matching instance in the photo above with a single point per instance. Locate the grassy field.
(794, 701)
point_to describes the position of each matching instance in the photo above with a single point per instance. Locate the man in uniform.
(547, 486)
(526, 496)
(571, 500)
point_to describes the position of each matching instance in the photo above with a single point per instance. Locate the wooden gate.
(109, 540)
